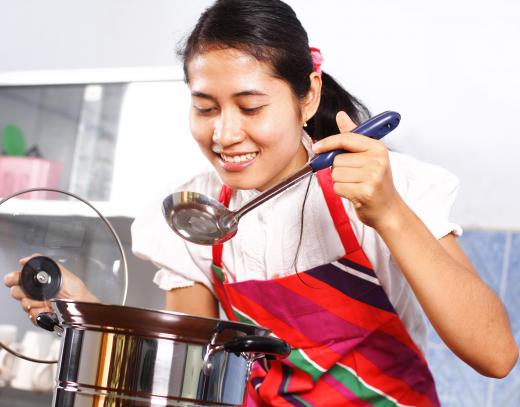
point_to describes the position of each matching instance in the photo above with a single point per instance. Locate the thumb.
(345, 123)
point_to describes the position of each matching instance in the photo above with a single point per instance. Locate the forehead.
(230, 69)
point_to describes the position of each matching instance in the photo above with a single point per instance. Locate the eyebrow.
(235, 95)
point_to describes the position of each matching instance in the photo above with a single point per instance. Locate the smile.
(238, 158)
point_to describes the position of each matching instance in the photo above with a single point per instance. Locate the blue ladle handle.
(376, 127)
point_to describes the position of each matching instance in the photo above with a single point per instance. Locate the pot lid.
(151, 323)
(54, 226)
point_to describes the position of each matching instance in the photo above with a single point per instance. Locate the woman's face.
(246, 121)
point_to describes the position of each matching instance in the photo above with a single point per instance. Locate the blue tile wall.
(496, 255)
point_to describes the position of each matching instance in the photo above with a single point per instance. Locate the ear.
(311, 101)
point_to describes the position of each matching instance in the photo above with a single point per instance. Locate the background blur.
(452, 69)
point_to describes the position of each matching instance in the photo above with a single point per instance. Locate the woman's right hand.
(72, 288)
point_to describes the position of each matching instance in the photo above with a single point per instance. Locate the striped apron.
(349, 347)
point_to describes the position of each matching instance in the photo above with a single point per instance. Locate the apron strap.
(217, 268)
(353, 250)
(224, 199)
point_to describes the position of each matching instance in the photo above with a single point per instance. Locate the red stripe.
(350, 310)
(347, 308)
(224, 199)
(337, 212)
(295, 338)
(300, 381)
(268, 391)
(217, 254)
(325, 394)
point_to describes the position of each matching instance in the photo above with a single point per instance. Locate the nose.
(228, 130)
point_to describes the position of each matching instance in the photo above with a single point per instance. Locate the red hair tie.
(317, 59)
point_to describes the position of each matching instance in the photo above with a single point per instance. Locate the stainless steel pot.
(123, 356)
(113, 355)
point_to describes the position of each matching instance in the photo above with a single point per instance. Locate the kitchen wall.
(450, 68)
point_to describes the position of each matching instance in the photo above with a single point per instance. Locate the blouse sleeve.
(179, 262)
(429, 190)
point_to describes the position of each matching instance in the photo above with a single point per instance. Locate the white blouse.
(266, 243)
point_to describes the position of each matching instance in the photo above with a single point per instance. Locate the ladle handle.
(376, 127)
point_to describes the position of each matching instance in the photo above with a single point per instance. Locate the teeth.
(238, 158)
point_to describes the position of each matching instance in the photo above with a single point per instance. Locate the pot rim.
(151, 323)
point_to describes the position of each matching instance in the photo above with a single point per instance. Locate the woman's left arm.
(464, 311)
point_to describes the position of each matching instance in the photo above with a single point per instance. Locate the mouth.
(238, 158)
(237, 162)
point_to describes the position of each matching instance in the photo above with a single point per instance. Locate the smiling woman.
(376, 245)
(346, 277)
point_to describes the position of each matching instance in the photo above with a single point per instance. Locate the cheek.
(200, 130)
(282, 134)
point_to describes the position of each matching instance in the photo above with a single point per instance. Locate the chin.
(240, 180)
(235, 183)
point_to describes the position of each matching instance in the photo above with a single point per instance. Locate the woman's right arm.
(196, 300)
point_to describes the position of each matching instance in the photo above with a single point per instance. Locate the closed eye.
(252, 110)
(203, 110)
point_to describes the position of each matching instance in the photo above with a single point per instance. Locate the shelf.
(64, 208)
(99, 75)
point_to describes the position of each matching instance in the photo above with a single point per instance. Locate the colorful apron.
(349, 347)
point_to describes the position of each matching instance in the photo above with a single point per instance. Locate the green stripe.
(298, 360)
(243, 317)
(356, 386)
(218, 271)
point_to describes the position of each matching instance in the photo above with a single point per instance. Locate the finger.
(358, 193)
(348, 175)
(17, 292)
(351, 142)
(27, 304)
(352, 160)
(344, 122)
(24, 260)
(12, 279)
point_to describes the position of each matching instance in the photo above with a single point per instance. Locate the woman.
(339, 267)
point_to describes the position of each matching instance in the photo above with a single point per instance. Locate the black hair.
(270, 31)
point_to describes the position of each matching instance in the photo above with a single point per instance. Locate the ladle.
(203, 220)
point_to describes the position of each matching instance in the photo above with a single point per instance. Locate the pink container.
(19, 173)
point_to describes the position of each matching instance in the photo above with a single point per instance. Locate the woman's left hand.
(363, 175)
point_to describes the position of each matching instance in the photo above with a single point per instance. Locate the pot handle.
(273, 348)
(49, 321)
